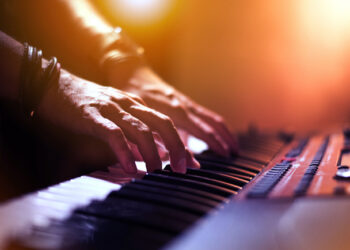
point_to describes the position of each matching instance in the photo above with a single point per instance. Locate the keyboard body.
(274, 195)
(285, 218)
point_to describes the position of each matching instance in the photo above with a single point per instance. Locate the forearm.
(72, 30)
(11, 53)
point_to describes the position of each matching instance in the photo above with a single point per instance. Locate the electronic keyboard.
(280, 192)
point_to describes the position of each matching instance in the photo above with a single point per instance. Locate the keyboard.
(280, 192)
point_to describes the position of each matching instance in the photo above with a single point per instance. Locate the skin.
(81, 21)
(186, 114)
(117, 118)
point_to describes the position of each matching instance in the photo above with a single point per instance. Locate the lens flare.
(141, 12)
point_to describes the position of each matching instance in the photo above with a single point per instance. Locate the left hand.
(186, 114)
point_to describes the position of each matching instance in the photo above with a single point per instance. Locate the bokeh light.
(271, 62)
(141, 12)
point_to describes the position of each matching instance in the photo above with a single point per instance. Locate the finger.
(113, 135)
(192, 162)
(166, 129)
(136, 98)
(213, 119)
(162, 151)
(219, 125)
(139, 133)
(135, 151)
(123, 98)
(204, 131)
(190, 122)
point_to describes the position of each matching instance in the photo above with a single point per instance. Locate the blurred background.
(273, 63)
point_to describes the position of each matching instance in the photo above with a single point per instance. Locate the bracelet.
(34, 80)
(117, 40)
(122, 51)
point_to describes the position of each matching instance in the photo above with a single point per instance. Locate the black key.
(161, 199)
(187, 190)
(240, 163)
(172, 193)
(254, 156)
(202, 179)
(140, 213)
(247, 164)
(236, 179)
(190, 183)
(261, 148)
(214, 175)
(244, 177)
(225, 168)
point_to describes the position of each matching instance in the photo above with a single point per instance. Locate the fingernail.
(181, 166)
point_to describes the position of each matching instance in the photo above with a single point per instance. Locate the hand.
(185, 113)
(117, 118)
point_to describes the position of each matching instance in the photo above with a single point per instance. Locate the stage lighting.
(141, 12)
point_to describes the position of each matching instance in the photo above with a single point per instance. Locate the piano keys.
(105, 210)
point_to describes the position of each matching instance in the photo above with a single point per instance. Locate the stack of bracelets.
(35, 80)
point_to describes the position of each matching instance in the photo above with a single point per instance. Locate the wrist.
(120, 58)
(118, 69)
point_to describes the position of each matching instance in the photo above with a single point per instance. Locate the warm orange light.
(141, 12)
(83, 9)
(326, 21)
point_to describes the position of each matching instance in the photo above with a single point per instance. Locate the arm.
(117, 118)
(11, 53)
(72, 30)
(82, 35)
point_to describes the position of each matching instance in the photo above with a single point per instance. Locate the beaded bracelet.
(34, 79)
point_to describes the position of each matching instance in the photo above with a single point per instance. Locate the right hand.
(117, 118)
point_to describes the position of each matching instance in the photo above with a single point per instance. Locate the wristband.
(34, 80)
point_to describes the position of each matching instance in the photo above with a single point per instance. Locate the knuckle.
(133, 121)
(211, 134)
(136, 98)
(178, 106)
(145, 131)
(180, 110)
(137, 108)
(123, 99)
(104, 107)
(87, 112)
(167, 122)
(125, 116)
(107, 128)
(219, 119)
(126, 99)
(140, 127)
